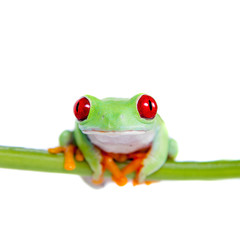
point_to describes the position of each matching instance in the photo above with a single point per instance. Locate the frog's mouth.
(128, 132)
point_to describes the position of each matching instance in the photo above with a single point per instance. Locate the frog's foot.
(69, 151)
(147, 182)
(150, 182)
(135, 166)
(117, 176)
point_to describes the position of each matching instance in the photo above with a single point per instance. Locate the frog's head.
(137, 114)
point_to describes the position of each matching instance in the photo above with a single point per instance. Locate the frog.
(112, 130)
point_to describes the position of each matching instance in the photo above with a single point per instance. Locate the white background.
(183, 53)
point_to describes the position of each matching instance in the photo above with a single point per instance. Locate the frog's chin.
(120, 141)
(127, 132)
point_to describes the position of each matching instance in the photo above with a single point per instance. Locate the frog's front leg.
(91, 154)
(69, 149)
(97, 159)
(157, 155)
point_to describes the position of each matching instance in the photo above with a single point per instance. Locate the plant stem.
(41, 160)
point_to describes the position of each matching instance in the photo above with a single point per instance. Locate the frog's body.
(120, 126)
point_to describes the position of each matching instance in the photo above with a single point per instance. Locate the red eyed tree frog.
(117, 129)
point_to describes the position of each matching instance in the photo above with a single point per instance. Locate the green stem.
(41, 160)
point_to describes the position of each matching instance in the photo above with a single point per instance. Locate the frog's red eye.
(81, 108)
(147, 107)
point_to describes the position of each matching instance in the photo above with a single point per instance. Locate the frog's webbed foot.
(135, 166)
(117, 175)
(69, 152)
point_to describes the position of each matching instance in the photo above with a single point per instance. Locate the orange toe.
(79, 156)
(69, 166)
(149, 182)
(56, 150)
(69, 163)
(135, 182)
(98, 181)
(120, 181)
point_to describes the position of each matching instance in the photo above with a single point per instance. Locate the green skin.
(118, 115)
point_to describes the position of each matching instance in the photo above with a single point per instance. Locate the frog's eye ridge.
(81, 109)
(147, 107)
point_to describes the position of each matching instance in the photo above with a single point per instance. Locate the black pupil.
(150, 104)
(77, 106)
